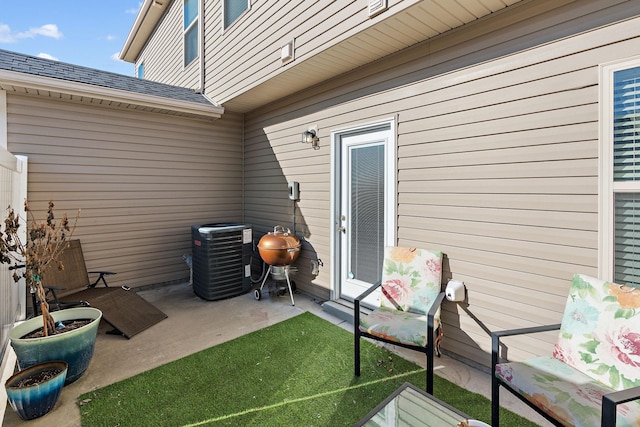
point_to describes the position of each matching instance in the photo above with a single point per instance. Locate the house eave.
(148, 16)
(375, 39)
(12, 81)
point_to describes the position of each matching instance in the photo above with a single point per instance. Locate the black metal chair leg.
(356, 337)
(429, 365)
(495, 402)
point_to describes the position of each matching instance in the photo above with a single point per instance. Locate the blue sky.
(80, 32)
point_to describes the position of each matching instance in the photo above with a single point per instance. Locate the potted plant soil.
(66, 335)
(34, 391)
(74, 343)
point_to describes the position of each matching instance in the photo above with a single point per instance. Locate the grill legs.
(258, 292)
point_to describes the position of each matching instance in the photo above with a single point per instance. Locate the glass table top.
(409, 406)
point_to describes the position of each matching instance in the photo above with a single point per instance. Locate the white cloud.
(5, 34)
(47, 30)
(47, 56)
(110, 37)
(116, 57)
(132, 11)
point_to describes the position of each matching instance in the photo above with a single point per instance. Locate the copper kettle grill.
(279, 249)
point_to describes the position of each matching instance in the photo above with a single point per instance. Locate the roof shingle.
(21, 63)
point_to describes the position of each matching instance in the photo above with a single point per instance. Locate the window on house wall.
(620, 170)
(191, 32)
(140, 71)
(233, 9)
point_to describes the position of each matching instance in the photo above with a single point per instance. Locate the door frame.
(391, 163)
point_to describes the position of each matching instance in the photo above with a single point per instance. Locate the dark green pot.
(74, 347)
(36, 400)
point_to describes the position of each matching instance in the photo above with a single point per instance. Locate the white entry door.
(365, 206)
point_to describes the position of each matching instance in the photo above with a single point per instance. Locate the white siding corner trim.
(3, 119)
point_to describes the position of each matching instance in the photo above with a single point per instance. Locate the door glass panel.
(364, 215)
(367, 213)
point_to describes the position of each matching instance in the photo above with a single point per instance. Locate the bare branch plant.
(29, 259)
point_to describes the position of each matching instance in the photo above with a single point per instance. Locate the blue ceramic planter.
(74, 347)
(38, 399)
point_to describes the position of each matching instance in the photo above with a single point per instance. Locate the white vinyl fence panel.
(13, 191)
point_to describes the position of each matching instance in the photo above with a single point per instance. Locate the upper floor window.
(233, 9)
(620, 173)
(191, 32)
(140, 71)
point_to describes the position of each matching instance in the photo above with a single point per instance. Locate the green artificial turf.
(298, 372)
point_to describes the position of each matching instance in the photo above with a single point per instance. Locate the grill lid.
(279, 247)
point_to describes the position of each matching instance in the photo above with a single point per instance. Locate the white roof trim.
(37, 82)
(148, 16)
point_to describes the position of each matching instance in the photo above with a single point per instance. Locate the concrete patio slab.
(194, 324)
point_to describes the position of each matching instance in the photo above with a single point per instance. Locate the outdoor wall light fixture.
(310, 136)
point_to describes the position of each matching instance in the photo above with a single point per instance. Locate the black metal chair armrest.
(434, 307)
(356, 307)
(495, 356)
(51, 290)
(611, 400)
(529, 330)
(368, 291)
(496, 335)
(623, 396)
(101, 277)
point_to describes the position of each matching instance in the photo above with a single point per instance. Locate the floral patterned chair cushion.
(567, 394)
(411, 281)
(600, 332)
(597, 352)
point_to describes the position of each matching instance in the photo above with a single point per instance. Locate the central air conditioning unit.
(221, 260)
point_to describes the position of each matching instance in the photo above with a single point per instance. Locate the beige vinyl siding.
(497, 164)
(234, 65)
(269, 25)
(163, 55)
(140, 179)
